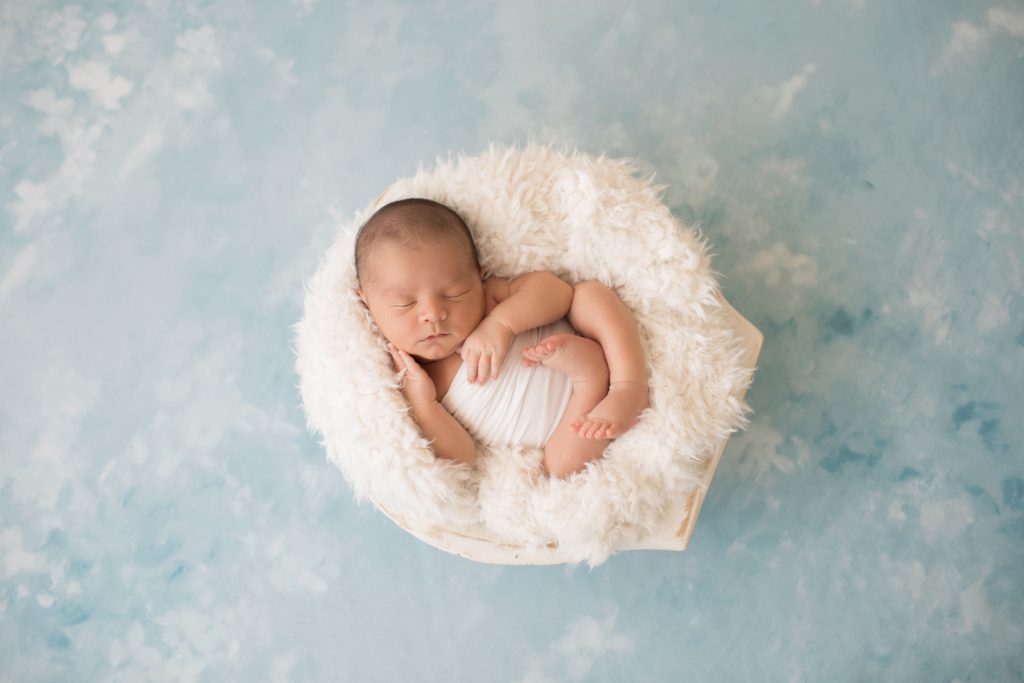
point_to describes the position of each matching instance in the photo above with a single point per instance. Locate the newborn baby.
(449, 330)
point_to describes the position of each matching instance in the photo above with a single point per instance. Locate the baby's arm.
(449, 439)
(529, 301)
(525, 302)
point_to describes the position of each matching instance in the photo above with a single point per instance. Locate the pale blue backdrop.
(171, 171)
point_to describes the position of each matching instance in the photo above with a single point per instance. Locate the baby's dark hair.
(411, 222)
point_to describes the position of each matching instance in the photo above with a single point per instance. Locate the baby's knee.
(589, 289)
(563, 464)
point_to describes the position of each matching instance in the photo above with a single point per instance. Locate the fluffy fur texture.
(582, 218)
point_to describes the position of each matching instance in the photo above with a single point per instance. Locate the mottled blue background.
(171, 171)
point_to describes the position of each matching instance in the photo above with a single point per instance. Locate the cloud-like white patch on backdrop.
(106, 21)
(967, 39)
(783, 95)
(572, 656)
(281, 75)
(1005, 19)
(933, 306)
(929, 291)
(304, 7)
(16, 274)
(59, 32)
(103, 88)
(4, 151)
(15, 558)
(46, 102)
(993, 313)
(778, 177)
(32, 200)
(766, 451)
(183, 80)
(199, 403)
(959, 594)
(132, 647)
(151, 143)
(114, 43)
(54, 460)
(528, 81)
(687, 161)
(185, 642)
(198, 57)
(35, 199)
(777, 264)
(291, 567)
(955, 171)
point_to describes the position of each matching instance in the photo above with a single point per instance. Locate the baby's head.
(420, 277)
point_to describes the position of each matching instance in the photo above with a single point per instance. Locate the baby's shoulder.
(497, 288)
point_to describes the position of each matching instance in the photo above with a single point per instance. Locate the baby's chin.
(432, 352)
(434, 355)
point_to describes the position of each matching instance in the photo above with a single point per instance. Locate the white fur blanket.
(582, 218)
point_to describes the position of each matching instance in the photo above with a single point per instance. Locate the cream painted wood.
(673, 534)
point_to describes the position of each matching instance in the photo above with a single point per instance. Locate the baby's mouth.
(436, 336)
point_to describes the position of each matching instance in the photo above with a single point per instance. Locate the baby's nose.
(434, 311)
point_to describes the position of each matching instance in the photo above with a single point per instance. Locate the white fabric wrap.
(522, 406)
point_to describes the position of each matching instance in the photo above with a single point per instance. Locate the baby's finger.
(470, 360)
(410, 363)
(395, 358)
(495, 367)
(485, 368)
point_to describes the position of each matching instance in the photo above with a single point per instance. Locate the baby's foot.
(580, 358)
(616, 413)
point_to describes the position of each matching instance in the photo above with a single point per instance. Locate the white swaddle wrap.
(523, 406)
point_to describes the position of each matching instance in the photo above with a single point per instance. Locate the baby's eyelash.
(453, 296)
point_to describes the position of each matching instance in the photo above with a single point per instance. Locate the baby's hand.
(417, 387)
(485, 349)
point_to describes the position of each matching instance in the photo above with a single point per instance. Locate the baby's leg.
(599, 314)
(583, 361)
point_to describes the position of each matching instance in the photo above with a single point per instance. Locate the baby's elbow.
(464, 452)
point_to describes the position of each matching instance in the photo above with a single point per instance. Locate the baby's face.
(425, 300)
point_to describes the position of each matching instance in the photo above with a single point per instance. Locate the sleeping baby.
(495, 358)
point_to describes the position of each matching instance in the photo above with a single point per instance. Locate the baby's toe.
(601, 430)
